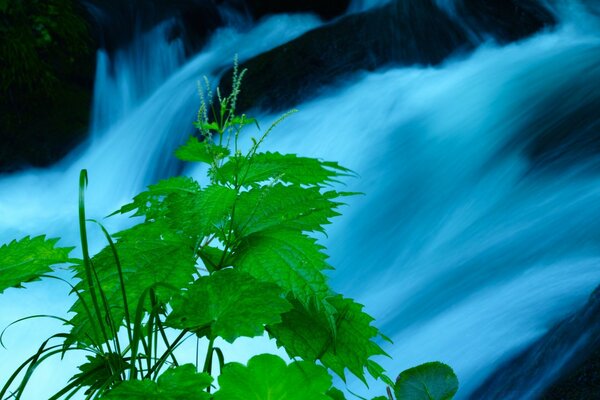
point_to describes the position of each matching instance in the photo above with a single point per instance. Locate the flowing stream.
(463, 248)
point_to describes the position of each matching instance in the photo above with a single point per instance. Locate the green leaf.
(336, 394)
(101, 370)
(377, 371)
(207, 213)
(280, 206)
(306, 332)
(180, 383)
(197, 151)
(267, 377)
(287, 258)
(289, 168)
(150, 254)
(151, 202)
(228, 304)
(27, 259)
(429, 381)
(185, 207)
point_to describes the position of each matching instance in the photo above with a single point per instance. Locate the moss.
(46, 76)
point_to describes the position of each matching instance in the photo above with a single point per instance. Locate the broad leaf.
(180, 383)
(151, 203)
(429, 381)
(336, 394)
(185, 207)
(306, 332)
(150, 254)
(197, 151)
(287, 258)
(228, 304)
(25, 260)
(267, 377)
(287, 168)
(280, 206)
(208, 212)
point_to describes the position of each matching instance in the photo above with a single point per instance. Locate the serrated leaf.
(306, 332)
(27, 259)
(287, 168)
(180, 383)
(151, 203)
(228, 304)
(197, 151)
(267, 377)
(287, 258)
(336, 394)
(100, 370)
(377, 371)
(150, 253)
(280, 206)
(185, 207)
(429, 381)
(208, 212)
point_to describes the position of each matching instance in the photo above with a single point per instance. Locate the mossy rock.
(46, 75)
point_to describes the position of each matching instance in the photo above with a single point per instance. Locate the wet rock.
(562, 364)
(504, 20)
(403, 32)
(116, 22)
(325, 9)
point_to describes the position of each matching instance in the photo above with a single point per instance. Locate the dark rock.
(504, 20)
(117, 23)
(563, 364)
(562, 127)
(404, 32)
(325, 9)
(47, 62)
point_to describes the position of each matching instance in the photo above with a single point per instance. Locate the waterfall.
(466, 245)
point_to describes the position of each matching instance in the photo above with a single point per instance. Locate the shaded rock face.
(47, 65)
(562, 127)
(259, 8)
(117, 21)
(404, 32)
(563, 364)
(504, 20)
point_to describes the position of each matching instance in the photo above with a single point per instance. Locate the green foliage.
(237, 257)
(429, 381)
(268, 377)
(39, 41)
(308, 332)
(180, 383)
(28, 259)
(227, 304)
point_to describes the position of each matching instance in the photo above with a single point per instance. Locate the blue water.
(462, 249)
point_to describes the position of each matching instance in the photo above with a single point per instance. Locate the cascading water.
(463, 247)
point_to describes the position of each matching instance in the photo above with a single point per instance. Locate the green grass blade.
(31, 317)
(113, 248)
(83, 181)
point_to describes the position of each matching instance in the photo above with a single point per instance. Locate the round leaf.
(429, 381)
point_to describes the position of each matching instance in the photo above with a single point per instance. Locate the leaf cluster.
(235, 258)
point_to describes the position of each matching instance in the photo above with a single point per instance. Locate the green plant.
(234, 258)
